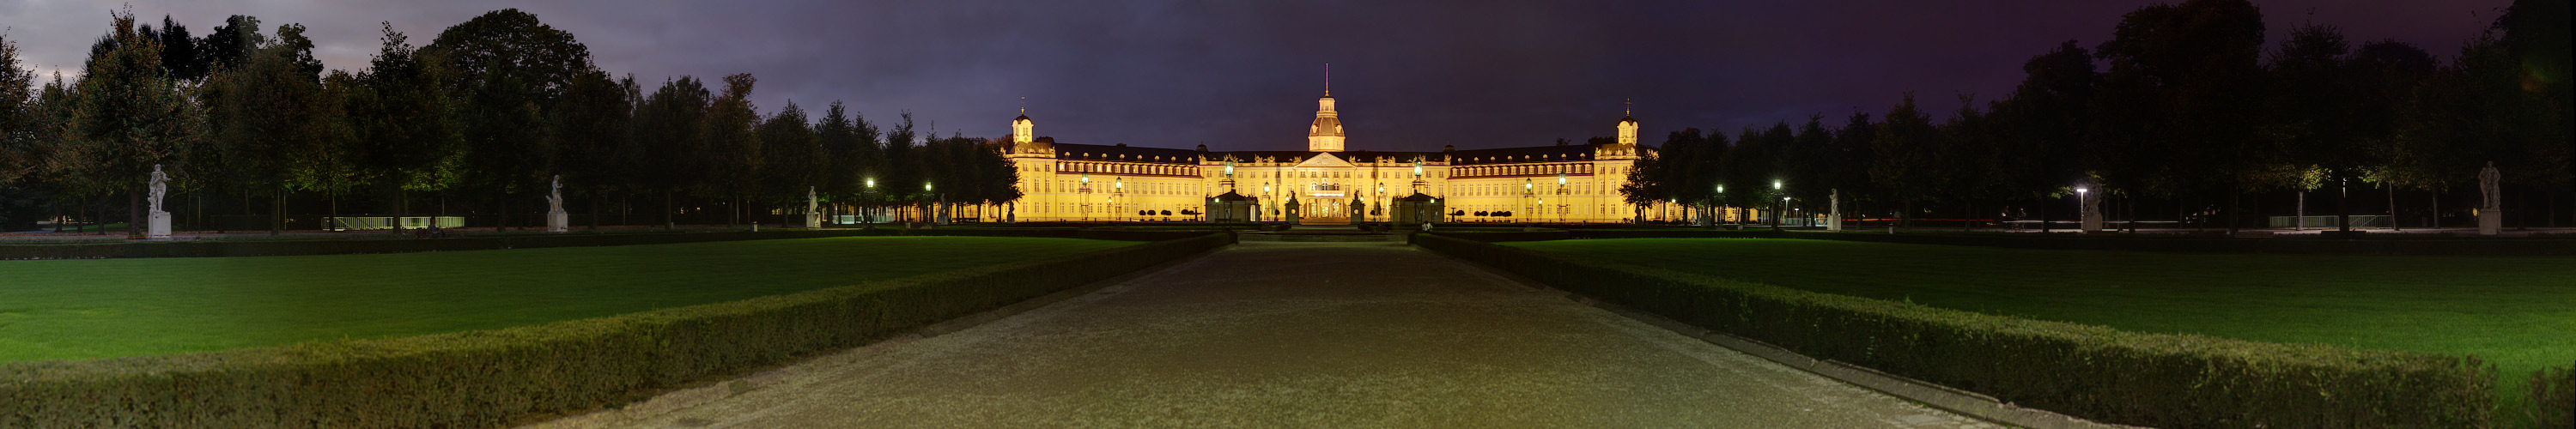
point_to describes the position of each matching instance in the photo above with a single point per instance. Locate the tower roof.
(1326, 126)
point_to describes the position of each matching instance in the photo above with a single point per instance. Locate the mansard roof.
(1125, 153)
(1522, 154)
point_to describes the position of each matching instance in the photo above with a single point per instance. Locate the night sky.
(1245, 75)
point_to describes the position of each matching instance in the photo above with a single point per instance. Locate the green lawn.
(2518, 312)
(73, 309)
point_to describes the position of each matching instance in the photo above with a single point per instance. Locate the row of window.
(1526, 169)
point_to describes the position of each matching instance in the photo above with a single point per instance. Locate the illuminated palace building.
(1558, 183)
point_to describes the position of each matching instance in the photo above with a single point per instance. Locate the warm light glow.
(1775, 185)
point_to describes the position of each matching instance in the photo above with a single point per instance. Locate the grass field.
(73, 309)
(2518, 312)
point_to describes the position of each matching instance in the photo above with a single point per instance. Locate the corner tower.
(1326, 134)
(1628, 127)
(1023, 131)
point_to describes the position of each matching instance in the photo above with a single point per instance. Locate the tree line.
(483, 118)
(2186, 104)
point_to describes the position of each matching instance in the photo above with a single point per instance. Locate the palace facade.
(1558, 184)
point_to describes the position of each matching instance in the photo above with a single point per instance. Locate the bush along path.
(2157, 380)
(493, 377)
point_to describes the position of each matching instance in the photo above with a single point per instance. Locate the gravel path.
(1308, 335)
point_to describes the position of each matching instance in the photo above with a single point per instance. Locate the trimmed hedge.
(489, 378)
(2553, 391)
(345, 246)
(2190, 244)
(2158, 380)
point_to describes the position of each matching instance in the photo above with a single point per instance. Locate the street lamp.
(865, 217)
(2081, 215)
(1778, 190)
(1721, 208)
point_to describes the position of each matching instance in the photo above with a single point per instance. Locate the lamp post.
(864, 217)
(1117, 188)
(1781, 197)
(2083, 210)
(1383, 199)
(1528, 190)
(1723, 212)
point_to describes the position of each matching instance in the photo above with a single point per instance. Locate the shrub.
(488, 378)
(344, 246)
(2553, 394)
(2094, 372)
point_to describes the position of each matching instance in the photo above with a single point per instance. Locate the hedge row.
(2194, 244)
(489, 378)
(223, 248)
(2158, 380)
(2554, 393)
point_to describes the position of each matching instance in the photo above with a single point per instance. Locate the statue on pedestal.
(157, 226)
(554, 195)
(1835, 223)
(813, 219)
(556, 220)
(2491, 207)
(160, 186)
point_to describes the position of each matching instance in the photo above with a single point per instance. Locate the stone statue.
(160, 186)
(2487, 188)
(554, 196)
(2491, 210)
(156, 226)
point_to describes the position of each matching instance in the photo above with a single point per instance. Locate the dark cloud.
(1244, 75)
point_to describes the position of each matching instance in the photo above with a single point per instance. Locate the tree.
(23, 125)
(510, 69)
(792, 159)
(2185, 80)
(129, 117)
(671, 121)
(2043, 123)
(589, 128)
(179, 53)
(1806, 162)
(228, 44)
(330, 161)
(403, 121)
(850, 142)
(270, 118)
(19, 116)
(1853, 157)
(1907, 147)
(902, 180)
(733, 147)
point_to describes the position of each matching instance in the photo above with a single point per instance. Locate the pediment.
(1324, 159)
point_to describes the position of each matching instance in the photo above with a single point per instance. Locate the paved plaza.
(1308, 335)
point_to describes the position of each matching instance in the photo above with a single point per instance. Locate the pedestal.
(813, 220)
(159, 229)
(2490, 222)
(1834, 223)
(558, 222)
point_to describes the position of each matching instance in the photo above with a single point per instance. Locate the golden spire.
(1328, 79)
(1631, 110)
(1024, 105)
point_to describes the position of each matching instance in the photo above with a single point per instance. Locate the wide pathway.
(1310, 335)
